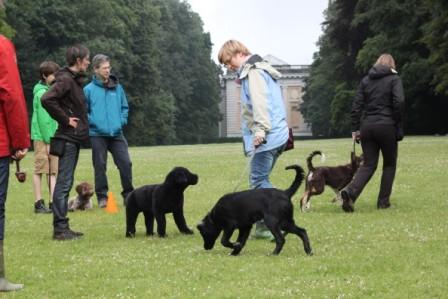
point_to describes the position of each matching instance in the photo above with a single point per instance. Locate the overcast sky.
(287, 29)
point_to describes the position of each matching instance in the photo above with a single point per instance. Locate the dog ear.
(89, 188)
(79, 188)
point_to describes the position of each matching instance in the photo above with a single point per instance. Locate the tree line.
(355, 33)
(158, 50)
(162, 57)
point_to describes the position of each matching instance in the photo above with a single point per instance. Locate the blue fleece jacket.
(107, 107)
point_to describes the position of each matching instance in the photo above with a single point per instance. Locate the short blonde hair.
(229, 49)
(385, 59)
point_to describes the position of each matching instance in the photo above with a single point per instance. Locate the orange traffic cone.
(111, 206)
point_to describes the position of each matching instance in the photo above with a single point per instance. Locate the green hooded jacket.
(43, 126)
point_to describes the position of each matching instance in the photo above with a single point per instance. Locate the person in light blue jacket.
(107, 109)
(264, 127)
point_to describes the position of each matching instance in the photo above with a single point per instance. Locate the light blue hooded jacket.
(107, 107)
(262, 106)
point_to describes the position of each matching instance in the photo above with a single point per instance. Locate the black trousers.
(118, 147)
(376, 138)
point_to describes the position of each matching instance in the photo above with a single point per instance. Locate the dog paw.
(188, 232)
(149, 234)
(237, 246)
(163, 235)
(130, 235)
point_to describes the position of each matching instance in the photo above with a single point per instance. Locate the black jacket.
(379, 100)
(65, 99)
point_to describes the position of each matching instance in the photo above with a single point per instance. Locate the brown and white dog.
(336, 177)
(83, 200)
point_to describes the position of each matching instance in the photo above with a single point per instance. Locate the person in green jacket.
(43, 128)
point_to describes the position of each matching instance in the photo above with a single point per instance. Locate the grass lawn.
(396, 253)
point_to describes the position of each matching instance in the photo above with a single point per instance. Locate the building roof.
(287, 70)
(274, 60)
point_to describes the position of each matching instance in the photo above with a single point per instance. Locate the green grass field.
(396, 253)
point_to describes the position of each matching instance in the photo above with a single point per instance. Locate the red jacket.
(14, 130)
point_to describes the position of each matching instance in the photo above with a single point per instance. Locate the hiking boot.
(262, 232)
(102, 203)
(66, 234)
(40, 208)
(347, 202)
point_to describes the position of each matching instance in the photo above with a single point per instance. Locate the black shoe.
(40, 208)
(66, 234)
(347, 202)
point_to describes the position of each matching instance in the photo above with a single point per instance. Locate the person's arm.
(12, 99)
(124, 107)
(87, 97)
(51, 102)
(397, 100)
(87, 92)
(258, 91)
(356, 112)
(41, 116)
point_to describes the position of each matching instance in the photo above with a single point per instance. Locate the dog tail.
(310, 158)
(297, 180)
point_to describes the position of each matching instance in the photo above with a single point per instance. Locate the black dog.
(241, 210)
(157, 200)
(336, 177)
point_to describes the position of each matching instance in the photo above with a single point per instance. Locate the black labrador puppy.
(241, 210)
(157, 200)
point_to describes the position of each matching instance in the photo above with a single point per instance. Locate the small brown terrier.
(83, 200)
(336, 177)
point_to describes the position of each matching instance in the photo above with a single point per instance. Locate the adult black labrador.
(157, 200)
(241, 210)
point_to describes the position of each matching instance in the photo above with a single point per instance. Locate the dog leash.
(246, 169)
(354, 147)
(244, 173)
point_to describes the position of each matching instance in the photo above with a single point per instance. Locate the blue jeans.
(118, 147)
(4, 177)
(261, 166)
(64, 183)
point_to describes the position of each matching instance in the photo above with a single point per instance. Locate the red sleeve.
(12, 100)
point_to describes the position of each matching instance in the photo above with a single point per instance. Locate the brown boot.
(5, 285)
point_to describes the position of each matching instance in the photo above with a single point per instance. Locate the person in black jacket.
(65, 102)
(377, 117)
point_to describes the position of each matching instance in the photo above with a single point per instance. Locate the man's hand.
(356, 136)
(19, 154)
(258, 140)
(73, 121)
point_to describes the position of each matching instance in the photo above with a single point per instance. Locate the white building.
(292, 84)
